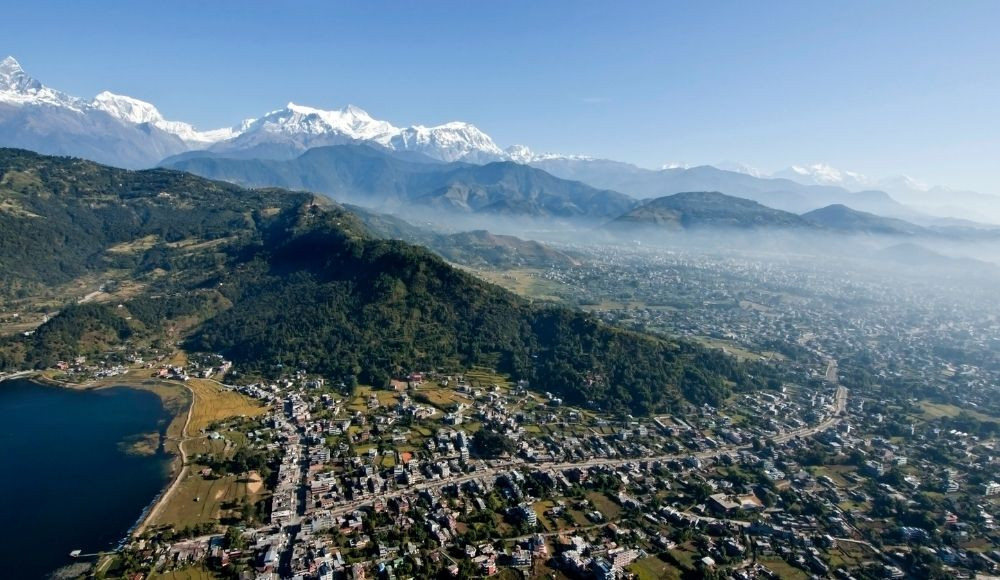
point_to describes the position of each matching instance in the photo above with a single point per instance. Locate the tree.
(234, 539)
(491, 444)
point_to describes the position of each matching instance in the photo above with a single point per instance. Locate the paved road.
(831, 371)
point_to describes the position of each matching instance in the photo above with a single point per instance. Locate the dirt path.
(158, 506)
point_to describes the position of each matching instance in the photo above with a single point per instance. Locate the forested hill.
(324, 297)
(276, 281)
(62, 218)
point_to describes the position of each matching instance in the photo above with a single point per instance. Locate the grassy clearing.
(191, 573)
(609, 509)
(540, 508)
(850, 555)
(835, 473)
(653, 568)
(740, 353)
(579, 518)
(205, 500)
(937, 410)
(526, 282)
(784, 570)
(135, 246)
(684, 557)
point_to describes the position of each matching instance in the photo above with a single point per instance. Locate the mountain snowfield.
(137, 112)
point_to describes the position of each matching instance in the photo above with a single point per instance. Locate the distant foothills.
(455, 166)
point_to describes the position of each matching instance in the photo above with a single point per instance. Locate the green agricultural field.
(442, 398)
(484, 377)
(190, 573)
(937, 410)
(653, 568)
(784, 570)
(603, 504)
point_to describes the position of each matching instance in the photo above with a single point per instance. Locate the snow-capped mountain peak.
(127, 108)
(824, 174)
(520, 154)
(738, 167)
(19, 88)
(524, 154)
(351, 122)
(135, 111)
(454, 141)
(14, 79)
(906, 182)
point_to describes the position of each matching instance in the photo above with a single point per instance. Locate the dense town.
(864, 462)
(472, 476)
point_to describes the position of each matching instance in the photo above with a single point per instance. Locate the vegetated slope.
(844, 219)
(323, 297)
(481, 247)
(61, 217)
(297, 284)
(368, 176)
(476, 248)
(692, 210)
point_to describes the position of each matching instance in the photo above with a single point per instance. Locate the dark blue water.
(65, 482)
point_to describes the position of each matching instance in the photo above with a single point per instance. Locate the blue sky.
(878, 87)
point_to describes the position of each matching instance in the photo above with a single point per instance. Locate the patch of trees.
(491, 444)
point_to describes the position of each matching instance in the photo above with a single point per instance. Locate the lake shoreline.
(172, 435)
(84, 430)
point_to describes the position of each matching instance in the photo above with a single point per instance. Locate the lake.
(68, 479)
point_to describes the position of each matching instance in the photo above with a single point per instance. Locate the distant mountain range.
(377, 178)
(127, 132)
(388, 180)
(711, 210)
(930, 199)
(778, 193)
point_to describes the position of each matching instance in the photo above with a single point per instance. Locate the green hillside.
(277, 281)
